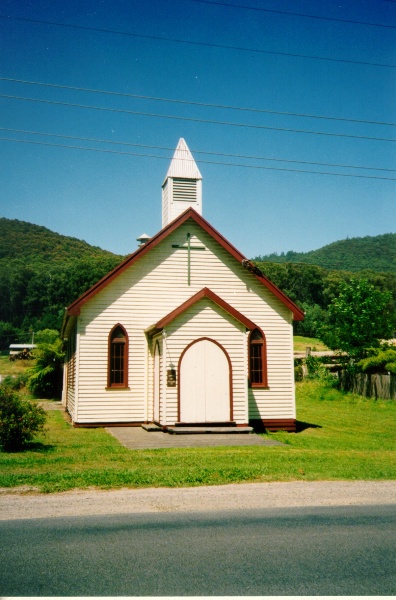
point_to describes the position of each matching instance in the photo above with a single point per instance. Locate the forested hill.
(41, 272)
(34, 245)
(355, 254)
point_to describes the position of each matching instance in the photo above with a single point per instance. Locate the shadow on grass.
(33, 447)
(302, 425)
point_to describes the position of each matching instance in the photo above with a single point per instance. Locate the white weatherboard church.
(185, 332)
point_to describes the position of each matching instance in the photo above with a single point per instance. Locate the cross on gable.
(189, 248)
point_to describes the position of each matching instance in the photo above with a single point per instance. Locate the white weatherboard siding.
(165, 204)
(72, 375)
(156, 384)
(151, 288)
(68, 395)
(96, 403)
(150, 378)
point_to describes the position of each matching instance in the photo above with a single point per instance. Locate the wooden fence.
(369, 385)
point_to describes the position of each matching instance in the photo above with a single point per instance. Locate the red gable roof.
(75, 307)
(204, 293)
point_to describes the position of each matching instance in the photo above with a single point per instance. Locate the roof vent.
(143, 239)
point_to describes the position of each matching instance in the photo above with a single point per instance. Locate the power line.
(306, 171)
(193, 103)
(196, 120)
(201, 44)
(206, 152)
(292, 14)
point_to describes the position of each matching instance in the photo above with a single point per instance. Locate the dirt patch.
(21, 489)
(51, 404)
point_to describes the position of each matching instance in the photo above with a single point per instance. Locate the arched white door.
(205, 394)
(156, 414)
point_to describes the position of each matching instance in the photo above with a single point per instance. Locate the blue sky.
(236, 57)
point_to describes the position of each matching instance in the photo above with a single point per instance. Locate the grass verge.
(342, 436)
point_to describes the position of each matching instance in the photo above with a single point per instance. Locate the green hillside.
(41, 272)
(355, 254)
(35, 245)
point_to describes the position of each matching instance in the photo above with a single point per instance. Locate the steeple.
(182, 187)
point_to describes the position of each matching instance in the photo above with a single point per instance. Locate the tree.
(315, 316)
(45, 377)
(358, 318)
(8, 335)
(46, 336)
(302, 283)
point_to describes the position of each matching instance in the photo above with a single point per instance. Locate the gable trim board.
(204, 293)
(190, 213)
(138, 288)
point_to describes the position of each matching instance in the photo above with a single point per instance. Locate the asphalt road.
(339, 550)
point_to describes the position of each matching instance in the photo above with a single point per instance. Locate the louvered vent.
(185, 189)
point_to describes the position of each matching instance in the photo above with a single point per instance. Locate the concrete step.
(151, 427)
(209, 429)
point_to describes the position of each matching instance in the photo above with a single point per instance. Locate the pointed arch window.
(118, 358)
(257, 359)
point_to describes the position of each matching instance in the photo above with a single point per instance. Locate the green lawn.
(300, 343)
(343, 437)
(9, 367)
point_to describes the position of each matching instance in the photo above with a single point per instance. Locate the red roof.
(75, 307)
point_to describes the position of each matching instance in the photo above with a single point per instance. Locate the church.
(184, 333)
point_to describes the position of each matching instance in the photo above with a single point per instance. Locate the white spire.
(183, 165)
(182, 187)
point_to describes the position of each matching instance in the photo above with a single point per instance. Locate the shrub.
(45, 377)
(15, 382)
(298, 373)
(298, 369)
(315, 367)
(381, 360)
(20, 420)
(317, 370)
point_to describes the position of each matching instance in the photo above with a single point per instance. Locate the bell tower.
(182, 187)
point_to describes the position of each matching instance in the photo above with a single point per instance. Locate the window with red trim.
(118, 357)
(257, 359)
